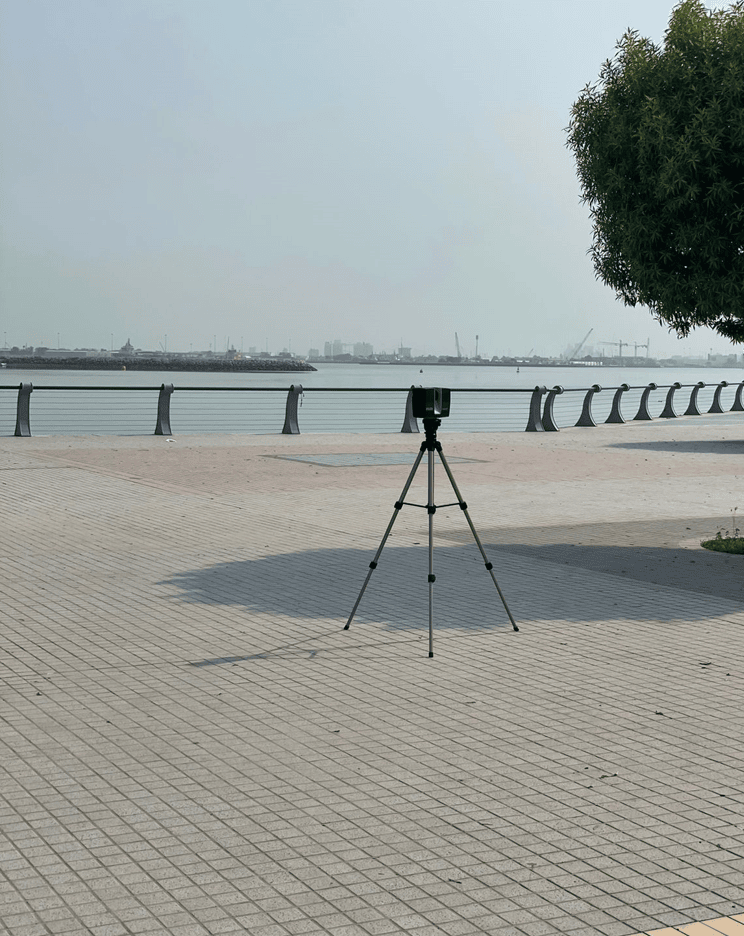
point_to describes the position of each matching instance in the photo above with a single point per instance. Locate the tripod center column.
(430, 510)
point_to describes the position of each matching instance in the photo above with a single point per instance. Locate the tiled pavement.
(192, 744)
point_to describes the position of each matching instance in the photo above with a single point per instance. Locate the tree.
(659, 149)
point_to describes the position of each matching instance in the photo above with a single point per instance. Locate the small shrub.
(725, 541)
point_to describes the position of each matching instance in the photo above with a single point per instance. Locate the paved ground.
(192, 744)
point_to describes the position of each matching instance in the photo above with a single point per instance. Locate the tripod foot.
(431, 654)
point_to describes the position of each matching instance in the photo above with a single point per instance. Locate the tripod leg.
(398, 506)
(464, 508)
(432, 578)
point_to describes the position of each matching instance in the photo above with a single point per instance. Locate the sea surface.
(255, 402)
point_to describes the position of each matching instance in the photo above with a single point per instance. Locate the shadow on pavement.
(700, 571)
(540, 582)
(687, 446)
(324, 583)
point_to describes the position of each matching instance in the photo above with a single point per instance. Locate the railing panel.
(93, 412)
(567, 407)
(8, 404)
(656, 401)
(728, 395)
(481, 411)
(602, 403)
(352, 411)
(384, 411)
(705, 397)
(201, 411)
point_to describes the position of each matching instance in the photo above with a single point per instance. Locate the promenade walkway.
(191, 744)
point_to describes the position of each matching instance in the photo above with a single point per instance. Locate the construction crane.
(636, 346)
(457, 345)
(616, 344)
(580, 345)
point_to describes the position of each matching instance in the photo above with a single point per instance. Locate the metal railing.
(120, 410)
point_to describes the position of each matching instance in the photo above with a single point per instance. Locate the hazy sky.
(304, 170)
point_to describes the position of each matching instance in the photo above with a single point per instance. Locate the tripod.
(430, 445)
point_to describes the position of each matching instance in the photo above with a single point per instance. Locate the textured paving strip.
(729, 926)
(190, 743)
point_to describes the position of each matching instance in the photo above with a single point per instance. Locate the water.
(228, 409)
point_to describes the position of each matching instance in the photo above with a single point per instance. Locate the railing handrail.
(283, 389)
(280, 389)
(61, 387)
(629, 387)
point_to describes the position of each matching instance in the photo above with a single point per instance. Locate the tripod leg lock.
(489, 566)
(398, 505)
(373, 564)
(431, 509)
(463, 505)
(432, 578)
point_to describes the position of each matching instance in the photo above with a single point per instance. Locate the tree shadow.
(687, 446)
(699, 571)
(540, 582)
(325, 583)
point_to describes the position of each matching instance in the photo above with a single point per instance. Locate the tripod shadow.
(539, 583)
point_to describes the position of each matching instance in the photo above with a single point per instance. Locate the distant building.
(313, 354)
(722, 360)
(126, 350)
(363, 349)
(336, 349)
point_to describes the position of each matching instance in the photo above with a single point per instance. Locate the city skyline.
(335, 349)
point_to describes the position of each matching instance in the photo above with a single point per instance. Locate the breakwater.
(204, 365)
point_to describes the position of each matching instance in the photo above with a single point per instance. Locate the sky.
(282, 173)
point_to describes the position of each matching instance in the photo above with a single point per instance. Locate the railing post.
(715, 406)
(616, 415)
(643, 412)
(23, 419)
(669, 411)
(586, 418)
(738, 406)
(163, 426)
(549, 423)
(410, 423)
(534, 423)
(291, 425)
(692, 406)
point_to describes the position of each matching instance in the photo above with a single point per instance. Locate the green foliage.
(727, 541)
(659, 149)
(727, 544)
